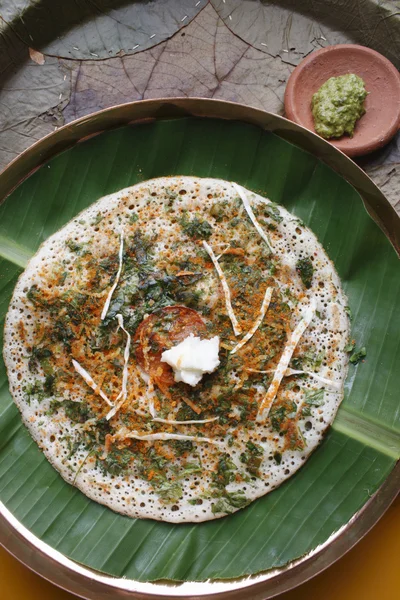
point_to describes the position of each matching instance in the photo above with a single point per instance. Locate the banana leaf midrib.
(14, 253)
(368, 431)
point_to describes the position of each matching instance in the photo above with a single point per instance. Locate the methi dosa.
(138, 273)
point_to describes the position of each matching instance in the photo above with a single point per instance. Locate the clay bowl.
(382, 82)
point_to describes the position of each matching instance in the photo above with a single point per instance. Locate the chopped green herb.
(116, 462)
(237, 499)
(350, 346)
(229, 502)
(357, 356)
(39, 390)
(234, 222)
(153, 468)
(190, 298)
(72, 444)
(347, 310)
(77, 411)
(252, 457)
(36, 297)
(225, 472)
(62, 332)
(307, 361)
(33, 390)
(40, 356)
(190, 468)
(102, 427)
(182, 446)
(217, 210)
(197, 229)
(294, 438)
(222, 506)
(48, 386)
(142, 250)
(133, 218)
(279, 413)
(273, 212)
(99, 217)
(195, 501)
(305, 269)
(74, 246)
(315, 397)
(116, 304)
(185, 413)
(54, 406)
(312, 398)
(169, 491)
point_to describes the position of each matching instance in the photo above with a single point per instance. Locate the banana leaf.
(362, 446)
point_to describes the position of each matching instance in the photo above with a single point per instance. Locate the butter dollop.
(192, 357)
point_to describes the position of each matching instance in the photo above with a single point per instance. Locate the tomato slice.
(160, 331)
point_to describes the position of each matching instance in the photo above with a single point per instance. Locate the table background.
(57, 66)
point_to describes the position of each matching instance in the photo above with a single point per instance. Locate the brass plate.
(89, 584)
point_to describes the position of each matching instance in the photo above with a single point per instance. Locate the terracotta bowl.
(382, 82)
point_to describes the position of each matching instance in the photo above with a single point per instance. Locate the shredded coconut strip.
(236, 327)
(258, 321)
(152, 410)
(333, 384)
(249, 211)
(150, 437)
(290, 372)
(224, 251)
(110, 293)
(287, 353)
(123, 393)
(194, 422)
(89, 380)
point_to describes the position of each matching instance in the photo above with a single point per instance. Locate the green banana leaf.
(360, 449)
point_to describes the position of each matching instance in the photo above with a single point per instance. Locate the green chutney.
(338, 105)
